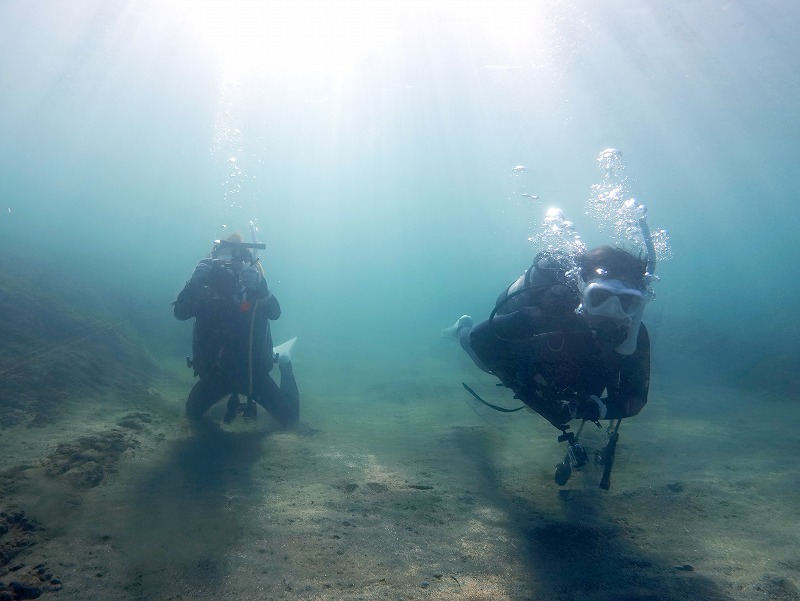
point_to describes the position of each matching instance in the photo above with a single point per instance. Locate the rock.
(86, 475)
(779, 588)
(23, 591)
(84, 463)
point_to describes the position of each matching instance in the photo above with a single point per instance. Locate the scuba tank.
(545, 285)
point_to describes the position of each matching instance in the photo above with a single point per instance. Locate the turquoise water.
(374, 145)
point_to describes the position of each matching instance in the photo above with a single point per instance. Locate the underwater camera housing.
(577, 457)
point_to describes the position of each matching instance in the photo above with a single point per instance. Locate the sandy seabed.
(396, 487)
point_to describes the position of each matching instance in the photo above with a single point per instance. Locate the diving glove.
(201, 273)
(250, 277)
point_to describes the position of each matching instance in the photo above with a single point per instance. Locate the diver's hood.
(616, 301)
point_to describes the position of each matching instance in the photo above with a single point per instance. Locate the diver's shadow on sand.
(583, 552)
(186, 513)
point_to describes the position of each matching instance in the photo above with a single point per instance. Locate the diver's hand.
(250, 277)
(201, 274)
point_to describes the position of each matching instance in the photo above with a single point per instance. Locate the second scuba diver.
(570, 347)
(232, 347)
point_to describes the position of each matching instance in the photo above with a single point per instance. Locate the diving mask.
(612, 299)
(615, 300)
(236, 251)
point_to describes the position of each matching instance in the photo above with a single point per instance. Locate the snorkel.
(254, 238)
(648, 243)
(628, 346)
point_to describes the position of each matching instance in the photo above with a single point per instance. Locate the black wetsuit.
(540, 348)
(232, 345)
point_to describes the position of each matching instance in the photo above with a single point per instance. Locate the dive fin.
(284, 351)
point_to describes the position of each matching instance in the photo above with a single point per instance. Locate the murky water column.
(617, 212)
(231, 160)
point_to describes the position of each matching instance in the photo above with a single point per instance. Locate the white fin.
(463, 321)
(284, 351)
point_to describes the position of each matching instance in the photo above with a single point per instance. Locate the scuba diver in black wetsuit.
(232, 344)
(571, 347)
